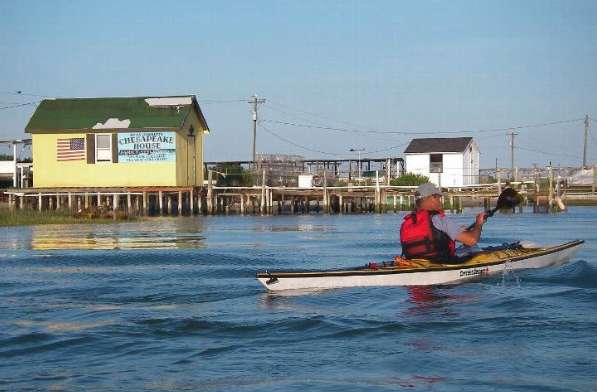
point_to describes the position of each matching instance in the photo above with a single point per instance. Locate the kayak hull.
(424, 273)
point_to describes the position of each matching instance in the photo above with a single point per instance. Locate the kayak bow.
(422, 272)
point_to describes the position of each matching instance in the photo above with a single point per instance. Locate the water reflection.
(295, 228)
(132, 236)
(429, 300)
(110, 241)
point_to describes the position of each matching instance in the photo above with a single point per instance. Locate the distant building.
(446, 161)
(15, 171)
(111, 142)
(280, 169)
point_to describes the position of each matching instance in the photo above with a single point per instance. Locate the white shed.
(449, 162)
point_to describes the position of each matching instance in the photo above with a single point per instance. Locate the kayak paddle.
(508, 199)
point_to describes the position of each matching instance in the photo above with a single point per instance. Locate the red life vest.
(420, 239)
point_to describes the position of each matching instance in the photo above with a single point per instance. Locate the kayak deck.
(423, 272)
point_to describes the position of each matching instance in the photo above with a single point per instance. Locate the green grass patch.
(33, 217)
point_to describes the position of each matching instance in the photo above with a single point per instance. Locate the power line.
(545, 152)
(203, 101)
(362, 129)
(295, 144)
(386, 149)
(212, 101)
(350, 130)
(341, 130)
(357, 130)
(539, 125)
(19, 92)
(18, 105)
(326, 152)
(316, 115)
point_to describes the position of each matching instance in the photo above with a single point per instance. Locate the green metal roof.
(86, 113)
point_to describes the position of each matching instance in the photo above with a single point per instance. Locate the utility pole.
(584, 152)
(255, 101)
(512, 134)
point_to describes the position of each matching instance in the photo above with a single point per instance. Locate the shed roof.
(74, 114)
(438, 144)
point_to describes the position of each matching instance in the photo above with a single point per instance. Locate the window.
(103, 148)
(436, 163)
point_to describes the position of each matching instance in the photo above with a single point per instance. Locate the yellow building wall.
(48, 172)
(184, 153)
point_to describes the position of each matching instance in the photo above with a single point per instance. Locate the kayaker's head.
(428, 197)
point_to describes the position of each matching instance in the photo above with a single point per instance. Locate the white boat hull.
(397, 276)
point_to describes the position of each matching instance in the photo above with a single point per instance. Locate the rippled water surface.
(173, 304)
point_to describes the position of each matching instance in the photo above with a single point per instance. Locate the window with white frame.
(103, 148)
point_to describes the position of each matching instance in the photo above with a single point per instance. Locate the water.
(173, 304)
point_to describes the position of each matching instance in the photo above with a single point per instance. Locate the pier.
(266, 200)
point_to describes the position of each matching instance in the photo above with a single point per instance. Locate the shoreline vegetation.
(32, 217)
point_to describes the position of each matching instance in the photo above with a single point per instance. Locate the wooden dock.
(270, 200)
(257, 200)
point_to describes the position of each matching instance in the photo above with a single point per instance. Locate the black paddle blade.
(508, 199)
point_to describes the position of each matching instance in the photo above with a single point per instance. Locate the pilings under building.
(132, 201)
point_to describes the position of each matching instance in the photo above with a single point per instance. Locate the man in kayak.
(427, 233)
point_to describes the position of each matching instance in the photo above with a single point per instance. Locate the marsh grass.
(32, 217)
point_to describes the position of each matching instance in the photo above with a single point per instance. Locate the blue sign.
(147, 147)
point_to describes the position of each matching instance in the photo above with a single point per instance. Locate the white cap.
(426, 190)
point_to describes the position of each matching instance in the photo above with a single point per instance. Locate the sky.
(336, 75)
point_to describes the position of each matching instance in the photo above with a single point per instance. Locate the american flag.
(70, 149)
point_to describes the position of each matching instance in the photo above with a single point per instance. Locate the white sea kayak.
(420, 272)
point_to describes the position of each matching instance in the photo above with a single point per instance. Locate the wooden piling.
(129, 203)
(161, 202)
(325, 194)
(180, 202)
(550, 198)
(209, 197)
(594, 179)
(145, 203)
(377, 200)
(262, 203)
(271, 201)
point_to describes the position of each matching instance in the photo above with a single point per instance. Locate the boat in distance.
(420, 272)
